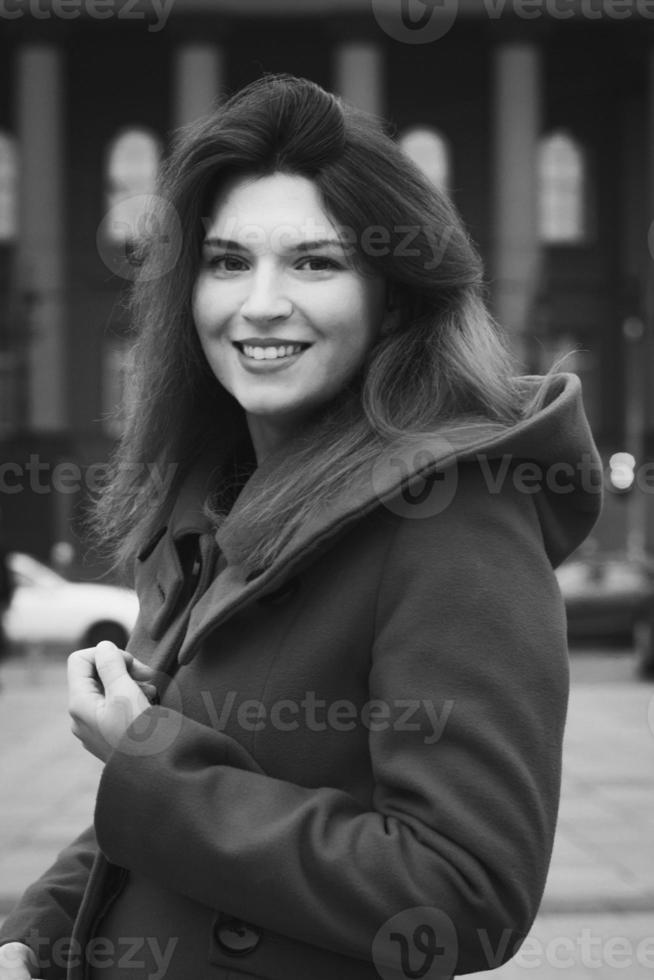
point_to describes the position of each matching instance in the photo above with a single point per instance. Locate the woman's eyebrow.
(318, 243)
(308, 246)
(223, 243)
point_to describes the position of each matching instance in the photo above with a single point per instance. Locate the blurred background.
(537, 116)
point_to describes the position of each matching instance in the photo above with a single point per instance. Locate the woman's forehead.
(282, 206)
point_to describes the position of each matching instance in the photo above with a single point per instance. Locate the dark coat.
(359, 751)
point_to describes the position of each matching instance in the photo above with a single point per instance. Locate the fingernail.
(106, 643)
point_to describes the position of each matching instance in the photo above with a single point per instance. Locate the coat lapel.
(159, 576)
(405, 470)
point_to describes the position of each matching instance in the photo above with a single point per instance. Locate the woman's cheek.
(204, 298)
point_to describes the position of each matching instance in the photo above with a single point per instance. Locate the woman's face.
(273, 275)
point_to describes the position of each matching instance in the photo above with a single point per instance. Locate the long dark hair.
(443, 363)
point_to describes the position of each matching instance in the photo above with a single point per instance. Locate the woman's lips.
(267, 364)
(273, 342)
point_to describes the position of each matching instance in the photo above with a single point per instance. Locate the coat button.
(237, 937)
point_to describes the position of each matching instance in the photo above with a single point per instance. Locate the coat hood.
(550, 455)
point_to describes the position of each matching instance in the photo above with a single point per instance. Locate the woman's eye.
(225, 263)
(319, 263)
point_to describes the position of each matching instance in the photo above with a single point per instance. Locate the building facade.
(538, 117)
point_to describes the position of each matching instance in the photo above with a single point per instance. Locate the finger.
(137, 669)
(83, 679)
(111, 667)
(17, 961)
(150, 691)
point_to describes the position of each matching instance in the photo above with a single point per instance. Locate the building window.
(132, 164)
(563, 190)
(8, 188)
(430, 151)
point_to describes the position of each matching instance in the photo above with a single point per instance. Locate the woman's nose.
(266, 299)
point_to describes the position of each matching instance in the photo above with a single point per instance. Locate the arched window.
(8, 188)
(132, 163)
(563, 190)
(430, 151)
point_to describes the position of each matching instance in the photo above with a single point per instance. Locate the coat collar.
(407, 473)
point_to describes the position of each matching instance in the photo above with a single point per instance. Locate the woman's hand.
(16, 960)
(103, 699)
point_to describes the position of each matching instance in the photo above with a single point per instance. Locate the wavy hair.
(442, 363)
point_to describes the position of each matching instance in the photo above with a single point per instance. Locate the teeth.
(271, 353)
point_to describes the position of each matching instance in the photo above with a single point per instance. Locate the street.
(596, 918)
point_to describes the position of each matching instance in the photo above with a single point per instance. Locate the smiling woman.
(284, 322)
(354, 644)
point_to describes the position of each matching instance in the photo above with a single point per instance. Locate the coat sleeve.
(471, 628)
(47, 910)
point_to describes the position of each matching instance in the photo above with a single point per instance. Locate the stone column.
(358, 73)
(198, 78)
(516, 251)
(39, 111)
(648, 337)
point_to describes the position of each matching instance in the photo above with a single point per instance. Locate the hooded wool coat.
(354, 767)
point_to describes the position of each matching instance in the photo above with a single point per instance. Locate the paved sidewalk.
(48, 780)
(603, 854)
(602, 873)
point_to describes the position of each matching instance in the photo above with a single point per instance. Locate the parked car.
(48, 610)
(610, 598)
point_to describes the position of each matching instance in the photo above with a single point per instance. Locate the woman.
(344, 561)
